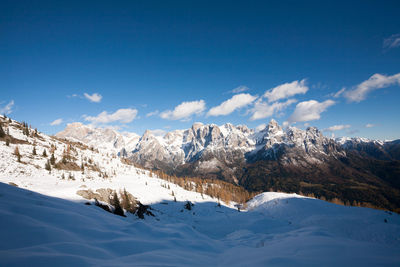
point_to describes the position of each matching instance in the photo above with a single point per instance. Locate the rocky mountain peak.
(273, 127)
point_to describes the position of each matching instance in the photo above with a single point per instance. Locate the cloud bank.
(309, 110)
(121, 115)
(184, 110)
(375, 82)
(286, 90)
(232, 104)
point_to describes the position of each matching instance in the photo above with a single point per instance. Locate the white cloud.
(369, 125)
(309, 110)
(56, 122)
(122, 115)
(184, 110)
(7, 109)
(263, 109)
(153, 113)
(94, 97)
(392, 42)
(261, 127)
(339, 93)
(337, 128)
(232, 104)
(376, 81)
(240, 89)
(286, 90)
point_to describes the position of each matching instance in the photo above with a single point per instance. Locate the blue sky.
(164, 65)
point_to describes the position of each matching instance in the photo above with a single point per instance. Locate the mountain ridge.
(273, 159)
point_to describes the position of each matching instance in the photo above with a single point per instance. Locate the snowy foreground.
(44, 222)
(278, 229)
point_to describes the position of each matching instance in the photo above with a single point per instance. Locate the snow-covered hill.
(78, 167)
(279, 230)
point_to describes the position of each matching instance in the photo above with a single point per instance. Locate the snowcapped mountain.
(226, 142)
(291, 160)
(58, 198)
(100, 138)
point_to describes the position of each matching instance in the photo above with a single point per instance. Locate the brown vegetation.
(221, 190)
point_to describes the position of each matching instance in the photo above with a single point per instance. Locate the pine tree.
(25, 129)
(117, 205)
(52, 159)
(34, 151)
(44, 153)
(47, 166)
(2, 133)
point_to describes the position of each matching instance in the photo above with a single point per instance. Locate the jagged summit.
(226, 142)
(102, 138)
(209, 147)
(222, 151)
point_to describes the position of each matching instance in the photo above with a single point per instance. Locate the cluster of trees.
(218, 189)
(25, 128)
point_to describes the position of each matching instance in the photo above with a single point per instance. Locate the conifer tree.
(117, 205)
(44, 153)
(47, 166)
(52, 159)
(34, 151)
(2, 133)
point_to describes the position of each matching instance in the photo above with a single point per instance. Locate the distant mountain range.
(353, 170)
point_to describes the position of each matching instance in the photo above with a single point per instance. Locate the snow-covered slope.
(84, 169)
(58, 228)
(280, 230)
